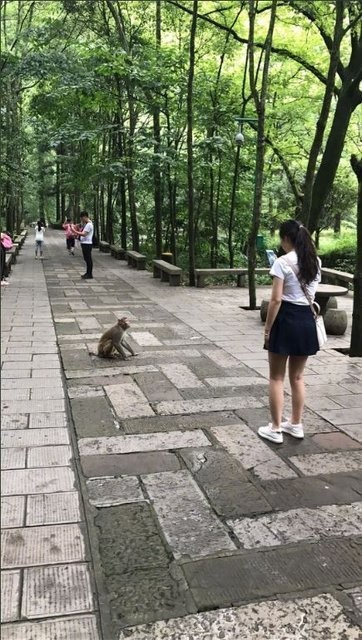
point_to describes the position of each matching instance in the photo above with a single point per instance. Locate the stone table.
(326, 291)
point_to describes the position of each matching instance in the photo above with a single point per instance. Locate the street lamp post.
(239, 141)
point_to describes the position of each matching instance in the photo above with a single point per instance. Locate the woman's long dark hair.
(39, 225)
(304, 247)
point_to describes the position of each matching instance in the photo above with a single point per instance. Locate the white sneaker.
(270, 434)
(295, 430)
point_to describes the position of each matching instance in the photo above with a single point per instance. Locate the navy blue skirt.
(294, 331)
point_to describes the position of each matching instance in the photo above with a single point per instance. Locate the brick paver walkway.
(137, 500)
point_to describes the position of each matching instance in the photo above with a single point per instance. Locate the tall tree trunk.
(329, 164)
(259, 101)
(356, 335)
(157, 147)
(323, 116)
(190, 178)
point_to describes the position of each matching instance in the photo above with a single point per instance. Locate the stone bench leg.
(241, 281)
(164, 276)
(175, 280)
(156, 271)
(200, 281)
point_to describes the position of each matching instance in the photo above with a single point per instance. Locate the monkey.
(115, 338)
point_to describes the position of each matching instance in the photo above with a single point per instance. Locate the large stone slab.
(128, 400)
(133, 464)
(79, 628)
(319, 617)
(32, 406)
(178, 422)
(59, 456)
(205, 405)
(156, 387)
(335, 441)
(313, 492)
(13, 458)
(27, 481)
(252, 452)
(41, 545)
(56, 591)
(221, 357)
(10, 596)
(342, 416)
(181, 376)
(353, 430)
(141, 585)
(190, 527)
(18, 421)
(142, 442)
(48, 420)
(321, 463)
(145, 338)
(109, 492)
(296, 525)
(225, 482)
(12, 511)
(53, 508)
(93, 417)
(34, 438)
(217, 582)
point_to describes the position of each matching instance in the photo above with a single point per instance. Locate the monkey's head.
(123, 323)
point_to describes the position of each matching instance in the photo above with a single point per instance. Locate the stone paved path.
(137, 500)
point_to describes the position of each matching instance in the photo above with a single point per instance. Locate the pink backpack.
(6, 241)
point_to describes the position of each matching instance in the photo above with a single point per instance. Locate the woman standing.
(290, 328)
(39, 239)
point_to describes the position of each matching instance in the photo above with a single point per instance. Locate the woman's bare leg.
(277, 365)
(296, 378)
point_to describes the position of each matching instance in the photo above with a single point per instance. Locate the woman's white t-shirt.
(39, 235)
(292, 291)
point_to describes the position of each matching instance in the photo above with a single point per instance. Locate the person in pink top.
(69, 235)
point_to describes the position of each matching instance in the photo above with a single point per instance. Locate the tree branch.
(277, 50)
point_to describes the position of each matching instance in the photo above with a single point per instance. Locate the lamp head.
(239, 139)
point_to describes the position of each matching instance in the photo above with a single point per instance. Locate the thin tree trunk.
(259, 101)
(323, 117)
(190, 178)
(356, 335)
(157, 148)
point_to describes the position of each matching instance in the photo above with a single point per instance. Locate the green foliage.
(339, 253)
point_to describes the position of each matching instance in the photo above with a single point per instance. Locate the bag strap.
(304, 288)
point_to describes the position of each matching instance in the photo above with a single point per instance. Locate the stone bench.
(8, 263)
(17, 247)
(337, 276)
(104, 246)
(167, 272)
(240, 273)
(13, 253)
(118, 252)
(137, 260)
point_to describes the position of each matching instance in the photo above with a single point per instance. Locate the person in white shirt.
(86, 243)
(290, 327)
(39, 239)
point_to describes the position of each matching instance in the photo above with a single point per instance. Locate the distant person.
(69, 235)
(86, 242)
(39, 239)
(290, 327)
(6, 243)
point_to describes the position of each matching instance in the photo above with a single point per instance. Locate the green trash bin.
(260, 243)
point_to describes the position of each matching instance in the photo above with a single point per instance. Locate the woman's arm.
(274, 306)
